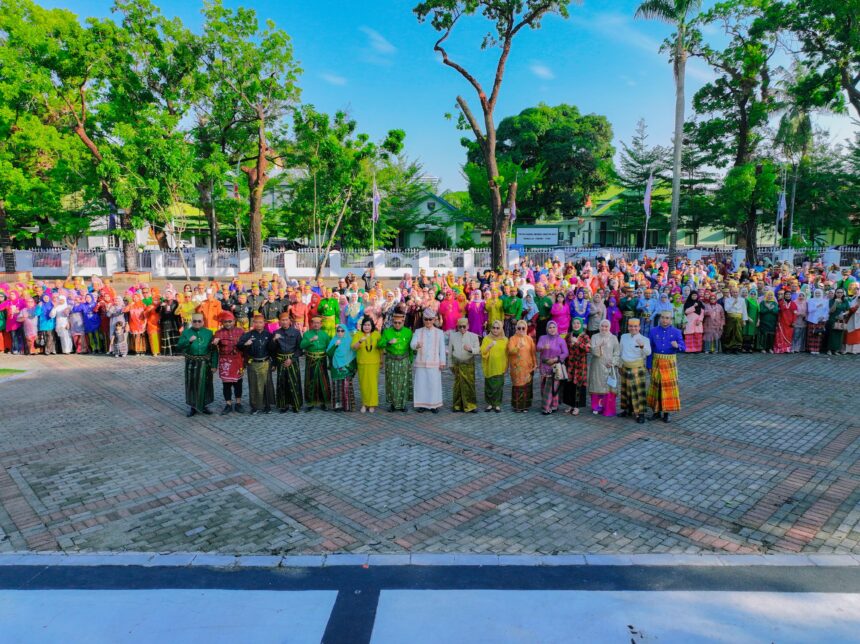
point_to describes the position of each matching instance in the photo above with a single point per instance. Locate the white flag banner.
(647, 202)
(377, 199)
(781, 207)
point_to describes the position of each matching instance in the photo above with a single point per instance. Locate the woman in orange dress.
(522, 362)
(137, 323)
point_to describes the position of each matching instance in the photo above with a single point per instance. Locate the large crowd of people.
(591, 335)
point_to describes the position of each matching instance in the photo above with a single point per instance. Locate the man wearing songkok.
(255, 345)
(663, 394)
(463, 346)
(231, 362)
(635, 348)
(314, 343)
(736, 316)
(286, 351)
(429, 344)
(398, 366)
(201, 360)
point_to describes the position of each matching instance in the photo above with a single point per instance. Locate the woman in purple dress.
(551, 349)
(476, 313)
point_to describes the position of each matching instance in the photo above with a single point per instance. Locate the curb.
(215, 560)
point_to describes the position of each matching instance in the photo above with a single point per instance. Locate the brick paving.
(97, 455)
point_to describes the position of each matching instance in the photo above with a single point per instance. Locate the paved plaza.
(96, 455)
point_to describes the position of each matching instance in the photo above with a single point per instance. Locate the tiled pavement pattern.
(96, 455)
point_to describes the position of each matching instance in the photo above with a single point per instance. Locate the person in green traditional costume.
(627, 306)
(544, 303)
(317, 385)
(836, 322)
(768, 316)
(750, 326)
(201, 361)
(512, 307)
(329, 311)
(398, 363)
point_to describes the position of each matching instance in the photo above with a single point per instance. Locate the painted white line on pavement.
(595, 617)
(146, 616)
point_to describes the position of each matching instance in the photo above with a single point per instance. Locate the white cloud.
(378, 42)
(333, 79)
(542, 71)
(627, 80)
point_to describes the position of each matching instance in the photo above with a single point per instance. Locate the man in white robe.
(429, 346)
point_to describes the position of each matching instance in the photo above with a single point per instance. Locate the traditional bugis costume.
(317, 386)
(231, 364)
(200, 359)
(463, 346)
(522, 362)
(634, 377)
(343, 368)
(429, 347)
(552, 349)
(663, 394)
(255, 345)
(398, 365)
(285, 348)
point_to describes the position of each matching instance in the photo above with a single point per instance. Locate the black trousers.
(232, 388)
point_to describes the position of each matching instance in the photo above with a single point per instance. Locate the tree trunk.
(129, 248)
(257, 179)
(6, 242)
(680, 67)
(73, 260)
(334, 230)
(207, 205)
(750, 230)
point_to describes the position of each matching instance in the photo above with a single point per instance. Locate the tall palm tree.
(678, 13)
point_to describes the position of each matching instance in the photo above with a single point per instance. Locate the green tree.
(750, 188)
(253, 71)
(508, 18)
(638, 162)
(574, 150)
(698, 185)
(678, 13)
(734, 109)
(829, 35)
(513, 178)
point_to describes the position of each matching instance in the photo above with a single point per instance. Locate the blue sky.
(375, 60)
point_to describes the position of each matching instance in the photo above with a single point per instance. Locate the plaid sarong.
(260, 389)
(288, 390)
(317, 383)
(493, 388)
(521, 397)
(733, 332)
(663, 394)
(199, 391)
(634, 387)
(398, 381)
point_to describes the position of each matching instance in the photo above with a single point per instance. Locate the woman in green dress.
(750, 326)
(839, 307)
(767, 320)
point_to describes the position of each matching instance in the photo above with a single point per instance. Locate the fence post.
(156, 263)
(334, 265)
(199, 266)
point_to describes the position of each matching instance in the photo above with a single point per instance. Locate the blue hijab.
(343, 355)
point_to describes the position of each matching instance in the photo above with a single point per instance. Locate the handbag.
(612, 380)
(839, 326)
(559, 371)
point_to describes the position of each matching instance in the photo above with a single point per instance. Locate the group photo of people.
(601, 336)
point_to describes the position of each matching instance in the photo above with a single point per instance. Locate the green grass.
(9, 372)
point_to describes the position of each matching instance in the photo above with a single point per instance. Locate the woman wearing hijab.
(60, 313)
(852, 326)
(76, 325)
(694, 311)
(818, 312)
(785, 323)
(5, 337)
(560, 313)
(552, 349)
(494, 361)
(605, 352)
(614, 315)
(713, 324)
(522, 363)
(136, 312)
(494, 309)
(678, 318)
(751, 325)
(476, 314)
(596, 314)
(449, 311)
(368, 356)
(343, 368)
(353, 313)
(168, 313)
(580, 307)
(578, 347)
(46, 325)
(29, 320)
(838, 311)
(92, 324)
(768, 318)
(530, 314)
(798, 341)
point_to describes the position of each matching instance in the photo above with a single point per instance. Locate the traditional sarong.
(835, 339)
(749, 342)
(169, 338)
(465, 394)
(154, 342)
(521, 397)
(733, 332)
(317, 384)
(493, 390)
(398, 381)
(663, 394)
(288, 388)
(693, 342)
(343, 394)
(814, 336)
(199, 391)
(46, 339)
(798, 342)
(765, 340)
(260, 389)
(549, 388)
(634, 387)
(573, 395)
(784, 338)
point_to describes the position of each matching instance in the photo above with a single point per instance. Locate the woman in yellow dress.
(494, 360)
(369, 357)
(494, 308)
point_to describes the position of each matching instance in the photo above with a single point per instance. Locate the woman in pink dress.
(785, 324)
(449, 309)
(695, 312)
(715, 320)
(560, 313)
